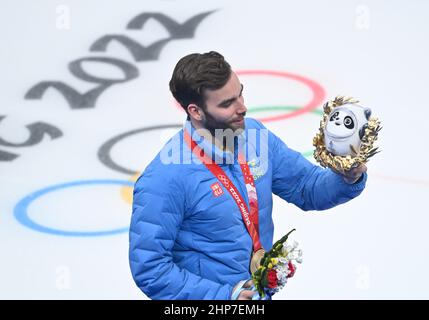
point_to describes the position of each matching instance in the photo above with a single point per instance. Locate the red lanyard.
(250, 219)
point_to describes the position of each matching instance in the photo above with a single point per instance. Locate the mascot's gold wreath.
(361, 156)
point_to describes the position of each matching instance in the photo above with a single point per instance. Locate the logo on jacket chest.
(217, 189)
(256, 168)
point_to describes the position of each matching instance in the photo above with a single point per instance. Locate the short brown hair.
(195, 73)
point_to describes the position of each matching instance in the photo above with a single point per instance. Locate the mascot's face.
(346, 126)
(342, 123)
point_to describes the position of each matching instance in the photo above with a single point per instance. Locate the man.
(198, 225)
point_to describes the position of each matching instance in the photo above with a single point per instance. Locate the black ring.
(104, 151)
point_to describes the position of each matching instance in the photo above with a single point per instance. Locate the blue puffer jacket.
(187, 243)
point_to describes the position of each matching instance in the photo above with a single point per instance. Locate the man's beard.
(211, 124)
(224, 132)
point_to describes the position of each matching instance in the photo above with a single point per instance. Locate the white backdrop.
(73, 133)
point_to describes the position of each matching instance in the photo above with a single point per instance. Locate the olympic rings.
(21, 209)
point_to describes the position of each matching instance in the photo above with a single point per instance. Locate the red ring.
(318, 92)
(317, 89)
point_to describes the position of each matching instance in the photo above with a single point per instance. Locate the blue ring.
(21, 209)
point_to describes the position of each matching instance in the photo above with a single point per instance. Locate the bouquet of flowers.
(276, 267)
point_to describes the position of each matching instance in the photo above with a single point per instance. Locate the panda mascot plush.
(346, 135)
(346, 128)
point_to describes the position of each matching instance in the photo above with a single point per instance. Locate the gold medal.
(255, 262)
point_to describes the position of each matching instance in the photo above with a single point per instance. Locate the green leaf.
(264, 279)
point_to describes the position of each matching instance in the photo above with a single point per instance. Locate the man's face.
(225, 107)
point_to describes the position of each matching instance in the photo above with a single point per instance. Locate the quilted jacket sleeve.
(298, 181)
(308, 186)
(158, 211)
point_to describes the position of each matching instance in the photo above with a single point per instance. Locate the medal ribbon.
(250, 219)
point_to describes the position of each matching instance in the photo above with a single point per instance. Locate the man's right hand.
(246, 294)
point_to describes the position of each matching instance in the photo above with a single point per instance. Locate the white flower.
(289, 248)
(295, 244)
(298, 256)
(282, 272)
(282, 278)
(293, 255)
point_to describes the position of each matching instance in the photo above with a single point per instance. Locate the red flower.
(272, 278)
(292, 269)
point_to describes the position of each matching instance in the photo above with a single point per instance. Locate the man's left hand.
(354, 174)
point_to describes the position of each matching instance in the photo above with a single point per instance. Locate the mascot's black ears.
(367, 113)
(362, 130)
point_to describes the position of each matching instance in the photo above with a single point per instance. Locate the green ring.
(293, 108)
(273, 108)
